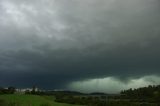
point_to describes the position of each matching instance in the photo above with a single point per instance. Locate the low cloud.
(113, 85)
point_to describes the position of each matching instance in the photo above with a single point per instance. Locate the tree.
(11, 89)
(33, 90)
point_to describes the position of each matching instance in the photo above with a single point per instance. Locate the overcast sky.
(84, 45)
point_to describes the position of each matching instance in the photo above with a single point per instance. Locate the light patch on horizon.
(113, 85)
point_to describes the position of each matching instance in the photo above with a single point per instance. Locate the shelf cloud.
(53, 43)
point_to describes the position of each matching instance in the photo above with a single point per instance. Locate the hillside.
(29, 100)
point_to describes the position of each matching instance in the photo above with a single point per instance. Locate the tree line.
(9, 90)
(150, 93)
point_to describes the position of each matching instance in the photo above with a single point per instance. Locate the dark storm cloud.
(49, 41)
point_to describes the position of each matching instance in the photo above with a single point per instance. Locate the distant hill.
(63, 93)
(97, 93)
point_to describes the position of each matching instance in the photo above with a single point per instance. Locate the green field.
(29, 100)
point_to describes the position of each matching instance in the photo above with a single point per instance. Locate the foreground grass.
(30, 100)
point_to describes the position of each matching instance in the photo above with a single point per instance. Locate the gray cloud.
(49, 41)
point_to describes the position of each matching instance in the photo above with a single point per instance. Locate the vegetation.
(29, 100)
(145, 96)
(9, 90)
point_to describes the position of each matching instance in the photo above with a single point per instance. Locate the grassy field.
(29, 100)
